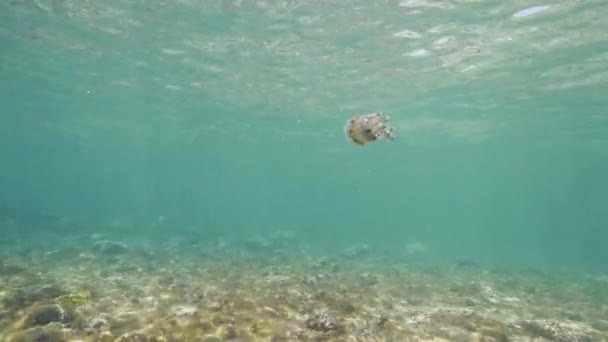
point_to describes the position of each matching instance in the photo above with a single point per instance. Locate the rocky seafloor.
(107, 290)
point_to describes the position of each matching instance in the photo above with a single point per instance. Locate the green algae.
(74, 299)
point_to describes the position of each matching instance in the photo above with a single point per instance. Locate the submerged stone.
(323, 322)
(26, 296)
(367, 279)
(229, 332)
(601, 325)
(38, 335)
(135, 337)
(45, 314)
(95, 325)
(262, 328)
(358, 251)
(125, 322)
(10, 268)
(108, 247)
(560, 331)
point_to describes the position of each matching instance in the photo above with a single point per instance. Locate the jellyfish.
(366, 128)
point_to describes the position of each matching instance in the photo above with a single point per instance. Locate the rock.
(125, 322)
(108, 247)
(572, 316)
(134, 337)
(262, 328)
(345, 306)
(325, 265)
(460, 336)
(418, 318)
(11, 268)
(211, 338)
(560, 331)
(496, 333)
(271, 312)
(215, 306)
(363, 330)
(95, 325)
(367, 279)
(358, 251)
(257, 244)
(184, 310)
(205, 325)
(27, 296)
(467, 263)
(45, 314)
(315, 279)
(322, 322)
(106, 336)
(184, 314)
(230, 332)
(311, 280)
(601, 325)
(382, 322)
(277, 241)
(38, 335)
(415, 248)
(283, 237)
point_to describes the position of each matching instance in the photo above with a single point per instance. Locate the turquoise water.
(228, 116)
(173, 124)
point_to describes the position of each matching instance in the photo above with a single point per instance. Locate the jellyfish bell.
(366, 128)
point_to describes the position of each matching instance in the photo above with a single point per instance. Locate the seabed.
(264, 289)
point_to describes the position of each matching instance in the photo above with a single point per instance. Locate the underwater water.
(179, 170)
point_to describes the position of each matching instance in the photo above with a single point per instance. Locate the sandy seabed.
(107, 291)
